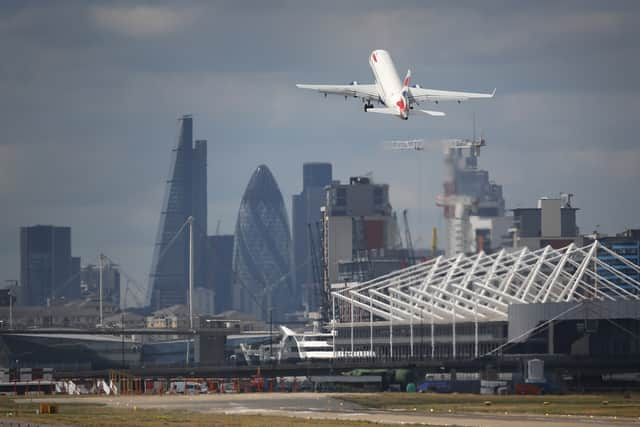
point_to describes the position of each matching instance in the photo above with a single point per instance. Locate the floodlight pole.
(101, 266)
(190, 222)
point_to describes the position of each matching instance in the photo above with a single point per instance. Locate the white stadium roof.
(481, 287)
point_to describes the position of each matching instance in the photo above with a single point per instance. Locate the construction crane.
(409, 144)
(411, 256)
(315, 261)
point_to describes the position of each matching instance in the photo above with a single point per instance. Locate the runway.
(329, 406)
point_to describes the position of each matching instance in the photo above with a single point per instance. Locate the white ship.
(312, 346)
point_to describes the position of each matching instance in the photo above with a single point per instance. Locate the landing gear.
(367, 106)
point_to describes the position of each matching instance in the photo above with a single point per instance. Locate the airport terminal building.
(547, 301)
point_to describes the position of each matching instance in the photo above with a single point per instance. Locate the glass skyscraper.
(48, 272)
(220, 270)
(306, 212)
(262, 251)
(185, 195)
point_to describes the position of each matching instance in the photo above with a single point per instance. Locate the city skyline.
(99, 99)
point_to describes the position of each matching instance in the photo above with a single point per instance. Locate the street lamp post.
(101, 265)
(10, 294)
(124, 308)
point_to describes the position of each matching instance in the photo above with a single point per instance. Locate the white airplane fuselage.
(397, 96)
(388, 83)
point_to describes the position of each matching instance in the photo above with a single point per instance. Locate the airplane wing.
(420, 94)
(368, 91)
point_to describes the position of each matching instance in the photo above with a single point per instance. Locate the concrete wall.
(551, 217)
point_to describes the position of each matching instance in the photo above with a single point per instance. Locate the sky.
(90, 93)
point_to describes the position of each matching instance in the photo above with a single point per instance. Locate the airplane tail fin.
(407, 79)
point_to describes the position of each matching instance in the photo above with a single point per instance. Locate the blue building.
(627, 245)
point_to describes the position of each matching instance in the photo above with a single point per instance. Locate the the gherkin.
(262, 251)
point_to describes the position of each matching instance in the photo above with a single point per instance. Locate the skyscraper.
(220, 270)
(306, 212)
(473, 205)
(48, 272)
(185, 196)
(262, 251)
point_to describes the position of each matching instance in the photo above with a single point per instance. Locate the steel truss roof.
(481, 287)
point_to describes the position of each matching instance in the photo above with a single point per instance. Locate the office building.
(306, 219)
(552, 223)
(185, 196)
(263, 282)
(48, 272)
(220, 270)
(358, 225)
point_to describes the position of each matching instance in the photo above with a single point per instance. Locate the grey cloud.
(143, 20)
(89, 99)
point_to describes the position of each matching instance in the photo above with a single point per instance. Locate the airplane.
(397, 97)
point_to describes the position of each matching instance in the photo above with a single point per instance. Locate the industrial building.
(468, 306)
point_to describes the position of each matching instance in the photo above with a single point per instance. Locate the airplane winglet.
(494, 92)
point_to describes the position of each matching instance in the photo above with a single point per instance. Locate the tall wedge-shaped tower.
(262, 251)
(185, 196)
